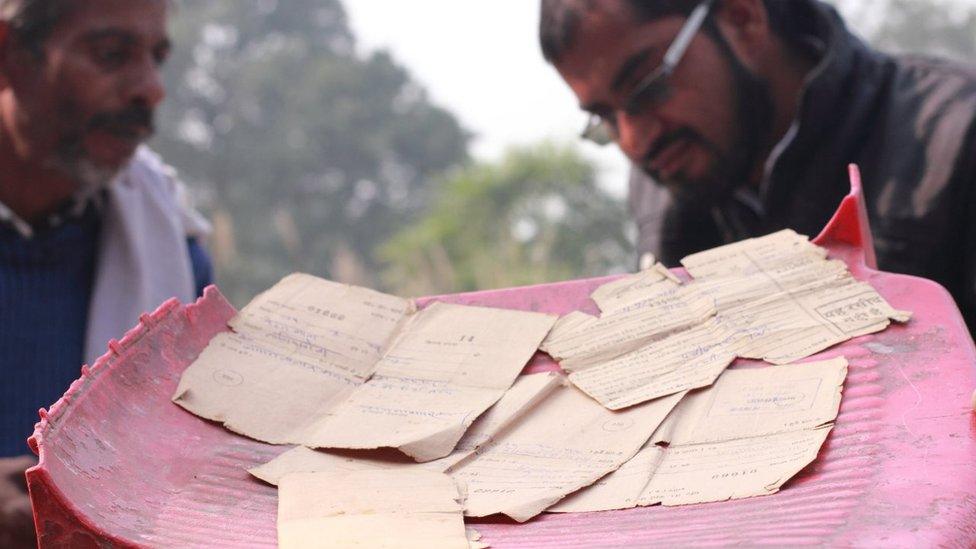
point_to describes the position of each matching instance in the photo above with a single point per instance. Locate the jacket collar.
(836, 97)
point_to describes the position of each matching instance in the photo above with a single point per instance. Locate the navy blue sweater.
(45, 289)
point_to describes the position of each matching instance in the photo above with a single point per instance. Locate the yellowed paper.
(375, 508)
(785, 299)
(687, 360)
(753, 402)
(631, 290)
(326, 365)
(447, 367)
(518, 402)
(641, 347)
(745, 436)
(735, 469)
(296, 351)
(568, 442)
(579, 341)
(305, 460)
(775, 298)
(776, 253)
(749, 434)
(621, 489)
(525, 393)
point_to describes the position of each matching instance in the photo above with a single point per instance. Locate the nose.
(636, 134)
(146, 83)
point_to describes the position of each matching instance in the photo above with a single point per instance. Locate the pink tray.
(121, 465)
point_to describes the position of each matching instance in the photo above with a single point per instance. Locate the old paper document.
(775, 298)
(785, 300)
(518, 402)
(621, 489)
(568, 442)
(735, 469)
(295, 351)
(655, 338)
(761, 401)
(749, 434)
(449, 365)
(525, 393)
(689, 359)
(375, 508)
(326, 365)
(580, 341)
(632, 290)
(745, 436)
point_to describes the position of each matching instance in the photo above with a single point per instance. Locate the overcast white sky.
(482, 61)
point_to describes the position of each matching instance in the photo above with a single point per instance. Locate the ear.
(745, 25)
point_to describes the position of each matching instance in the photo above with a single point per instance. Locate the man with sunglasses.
(741, 116)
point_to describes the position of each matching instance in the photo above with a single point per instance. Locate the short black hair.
(32, 21)
(559, 19)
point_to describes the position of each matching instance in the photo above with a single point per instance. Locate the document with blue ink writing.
(745, 436)
(322, 364)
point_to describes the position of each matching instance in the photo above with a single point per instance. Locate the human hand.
(16, 517)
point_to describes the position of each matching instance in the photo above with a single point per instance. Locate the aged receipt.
(735, 469)
(650, 341)
(295, 351)
(687, 360)
(525, 393)
(775, 298)
(580, 341)
(621, 489)
(785, 300)
(745, 436)
(447, 367)
(372, 508)
(418, 381)
(568, 442)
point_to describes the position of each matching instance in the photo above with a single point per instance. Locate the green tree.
(535, 216)
(306, 154)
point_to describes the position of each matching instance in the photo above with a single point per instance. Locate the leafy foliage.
(535, 216)
(308, 155)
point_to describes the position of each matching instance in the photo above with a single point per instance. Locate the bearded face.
(84, 103)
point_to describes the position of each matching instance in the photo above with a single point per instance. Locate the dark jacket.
(907, 121)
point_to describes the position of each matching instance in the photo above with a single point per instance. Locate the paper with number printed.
(775, 298)
(745, 436)
(321, 364)
(525, 394)
(568, 442)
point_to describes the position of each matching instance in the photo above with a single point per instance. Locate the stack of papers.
(647, 414)
(745, 436)
(775, 298)
(326, 365)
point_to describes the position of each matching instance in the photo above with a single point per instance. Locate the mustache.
(668, 139)
(134, 122)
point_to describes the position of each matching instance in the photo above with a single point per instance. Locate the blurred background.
(416, 147)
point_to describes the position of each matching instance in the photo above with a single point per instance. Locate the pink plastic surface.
(121, 465)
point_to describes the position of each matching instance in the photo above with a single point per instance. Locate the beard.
(752, 105)
(70, 157)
